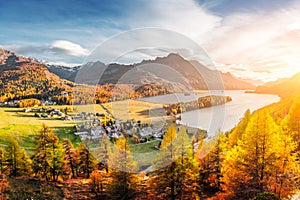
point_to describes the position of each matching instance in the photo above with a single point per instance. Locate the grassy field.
(10, 116)
(139, 110)
(23, 133)
(24, 127)
(122, 110)
(145, 147)
(14, 122)
(128, 109)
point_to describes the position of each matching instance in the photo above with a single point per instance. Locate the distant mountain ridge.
(284, 88)
(173, 71)
(22, 77)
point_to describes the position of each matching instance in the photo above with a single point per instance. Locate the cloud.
(46, 53)
(209, 4)
(65, 64)
(246, 72)
(186, 17)
(147, 43)
(258, 41)
(263, 43)
(69, 48)
(266, 41)
(242, 32)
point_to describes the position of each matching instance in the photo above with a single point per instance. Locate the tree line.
(258, 159)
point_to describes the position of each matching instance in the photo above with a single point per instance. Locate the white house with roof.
(64, 94)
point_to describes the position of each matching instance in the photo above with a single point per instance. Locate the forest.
(258, 159)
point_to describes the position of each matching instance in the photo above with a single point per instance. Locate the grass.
(10, 116)
(67, 133)
(24, 126)
(22, 132)
(138, 110)
(144, 147)
(144, 153)
(25, 135)
(126, 109)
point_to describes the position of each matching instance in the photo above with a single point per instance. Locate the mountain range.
(286, 87)
(172, 71)
(22, 77)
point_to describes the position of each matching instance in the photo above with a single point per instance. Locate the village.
(91, 127)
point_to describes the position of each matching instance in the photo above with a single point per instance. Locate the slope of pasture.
(138, 110)
(24, 127)
(14, 122)
(10, 116)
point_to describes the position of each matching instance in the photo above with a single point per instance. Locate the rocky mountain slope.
(22, 77)
(172, 71)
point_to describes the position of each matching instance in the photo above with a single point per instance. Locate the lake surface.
(223, 117)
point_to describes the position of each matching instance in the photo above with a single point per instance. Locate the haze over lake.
(222, 117)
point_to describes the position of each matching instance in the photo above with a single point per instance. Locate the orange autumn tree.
(169, 136)
(104, 152)
(176, 170)
(97, 184)
(287, 165)
(293, 122)
(2, 160)
(249, 167)
(186, 166)
(47, 157)
(210, 165)
(236, 133)
(70, 158)
(17, 163)
(122, 171)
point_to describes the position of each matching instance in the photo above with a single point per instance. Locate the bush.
(28, 103)
(266, 196)
(4, 187)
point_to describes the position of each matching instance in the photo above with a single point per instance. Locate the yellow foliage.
(169, 136)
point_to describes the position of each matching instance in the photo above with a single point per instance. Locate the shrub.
(266, 196)
(28, 103)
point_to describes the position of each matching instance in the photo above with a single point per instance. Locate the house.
(64, 94)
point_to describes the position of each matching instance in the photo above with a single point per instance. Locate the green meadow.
(25, 126)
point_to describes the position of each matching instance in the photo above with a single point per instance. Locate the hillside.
(284, 87)
(172, 71)
(22, 77)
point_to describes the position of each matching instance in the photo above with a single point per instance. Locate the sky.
(258, 39)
